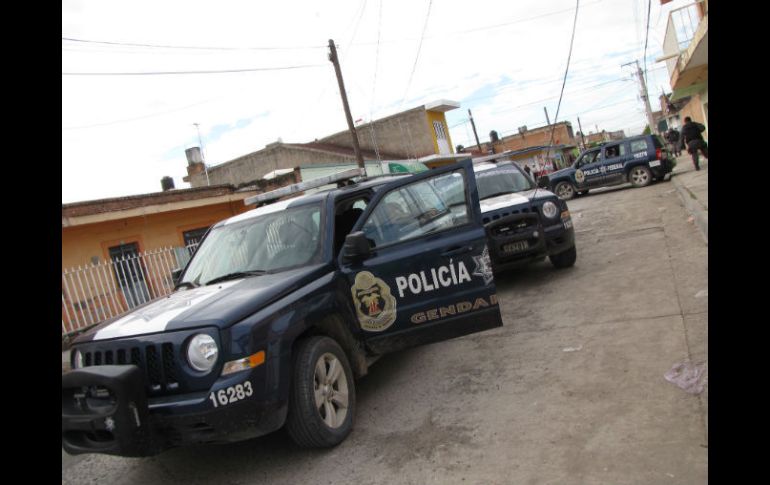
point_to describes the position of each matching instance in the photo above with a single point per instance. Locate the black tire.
(640, 176)
(305, 423)
(565, 190)
(564, 259)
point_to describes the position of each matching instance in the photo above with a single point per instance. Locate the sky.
(504, 60)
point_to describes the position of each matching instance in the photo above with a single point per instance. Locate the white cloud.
(146, 121)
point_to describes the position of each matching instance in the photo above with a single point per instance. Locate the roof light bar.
(303, 186)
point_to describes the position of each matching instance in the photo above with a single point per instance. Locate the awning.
(688, 91)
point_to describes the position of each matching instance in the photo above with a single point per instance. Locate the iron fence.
(107, 289)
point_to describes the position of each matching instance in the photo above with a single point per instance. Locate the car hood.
(564, 171)
(221, 305)
(515, 199)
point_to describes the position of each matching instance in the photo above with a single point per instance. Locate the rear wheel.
(565, 190)
(564, 259)
(322, 399)
(640, 176)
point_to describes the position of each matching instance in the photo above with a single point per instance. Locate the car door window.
(587, 158)
(614, 151)
(417, 209)
(638, 146)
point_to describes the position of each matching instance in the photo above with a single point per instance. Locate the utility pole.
(582, 135)
(478, 145)
(335, 60)
(645, 97)
(200, 142)
(547, 119)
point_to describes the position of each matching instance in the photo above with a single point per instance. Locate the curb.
(692, 205)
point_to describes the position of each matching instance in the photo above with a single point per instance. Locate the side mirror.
(175, 274)
(356, 247)
(543, 182)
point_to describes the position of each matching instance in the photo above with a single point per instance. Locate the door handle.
(455, 250)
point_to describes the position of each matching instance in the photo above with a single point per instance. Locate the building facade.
(409, 135)
(685, 49)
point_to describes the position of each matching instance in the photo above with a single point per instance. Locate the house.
(685, 52)
(409, 135)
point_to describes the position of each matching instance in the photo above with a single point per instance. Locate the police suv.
(638, 160)
(279, 310)
(524, 223)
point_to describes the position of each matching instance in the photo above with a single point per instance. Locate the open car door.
(418, 264)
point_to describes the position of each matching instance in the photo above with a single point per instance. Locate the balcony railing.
(681, 28)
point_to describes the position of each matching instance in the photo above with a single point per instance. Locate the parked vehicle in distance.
(279, 310)
(524, 223)
(638, 160)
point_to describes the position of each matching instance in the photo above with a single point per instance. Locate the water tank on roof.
(167, 183)
(193, 155)
(494, 138)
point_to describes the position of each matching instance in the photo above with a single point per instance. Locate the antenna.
(203, 156)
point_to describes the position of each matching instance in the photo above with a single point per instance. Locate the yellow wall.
(439, 116)
(153, 231)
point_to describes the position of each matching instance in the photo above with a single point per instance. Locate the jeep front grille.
(157, 362)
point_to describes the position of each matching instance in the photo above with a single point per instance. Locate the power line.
(566, 71)
(162, 46)
(417, 57)
(163, 73)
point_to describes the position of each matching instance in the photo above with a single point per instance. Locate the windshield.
(503, 179)
(269, 242)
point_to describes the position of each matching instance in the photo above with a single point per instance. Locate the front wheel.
(322, 399)
(640, 176)
(565, 190)
(564, 259)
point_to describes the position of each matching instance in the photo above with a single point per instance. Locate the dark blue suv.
(279, 310)
(638, 160)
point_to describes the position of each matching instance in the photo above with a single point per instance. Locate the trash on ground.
(573, 349)
(691, 219)
(702, 293)
(688, 376)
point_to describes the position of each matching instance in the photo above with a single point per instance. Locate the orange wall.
(81, 243)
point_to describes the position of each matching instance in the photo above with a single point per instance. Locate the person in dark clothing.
(672, 137)
(528, 170)
(693, 140)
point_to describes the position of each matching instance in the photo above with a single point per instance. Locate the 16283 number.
(231, 394)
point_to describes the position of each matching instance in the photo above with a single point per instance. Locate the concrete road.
(569, 391)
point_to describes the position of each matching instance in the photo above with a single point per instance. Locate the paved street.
(569, 391)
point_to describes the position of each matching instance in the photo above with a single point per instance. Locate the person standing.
(672, 137)
(693, 140)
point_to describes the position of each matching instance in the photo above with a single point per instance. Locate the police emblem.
(579, 176)
(483, 266)
(375, 306)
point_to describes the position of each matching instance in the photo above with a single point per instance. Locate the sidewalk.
(693, 189)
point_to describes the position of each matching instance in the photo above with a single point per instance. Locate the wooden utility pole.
(473, 125)
(335, 60)
(547, 119)
(645, 97)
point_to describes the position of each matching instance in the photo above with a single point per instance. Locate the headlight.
(77, 360)
(550, 210)
(202, 352)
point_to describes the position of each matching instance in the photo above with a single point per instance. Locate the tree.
(646, 130)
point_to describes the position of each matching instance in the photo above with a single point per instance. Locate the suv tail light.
(659, 154)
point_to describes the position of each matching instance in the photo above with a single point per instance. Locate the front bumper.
(105, 409)
(520, 239)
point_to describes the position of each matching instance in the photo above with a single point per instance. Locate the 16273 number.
(231, 394)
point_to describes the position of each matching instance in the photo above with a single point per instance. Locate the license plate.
(654, 163)
(516, 247)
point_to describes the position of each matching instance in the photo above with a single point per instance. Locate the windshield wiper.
(236, 275)
(188, 284)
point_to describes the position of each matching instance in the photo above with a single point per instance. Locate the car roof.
(371, 182)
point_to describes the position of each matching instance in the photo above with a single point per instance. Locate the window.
(194, 236)
(417, 209)
(615, 151)
(587, 158)
(347, 214)
(129, 273)
(639, 146)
